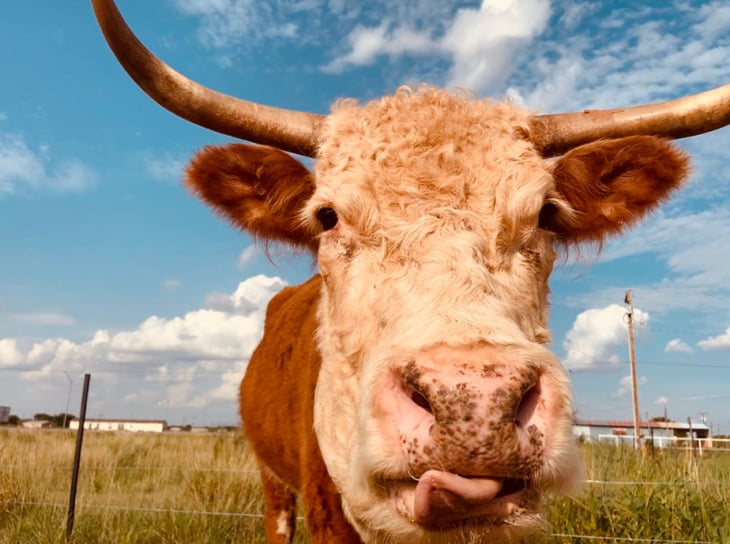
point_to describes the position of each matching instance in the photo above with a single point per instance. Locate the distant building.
(663, 433)
(4, 414)
(37, 424)
(199, 430)
(129, 425)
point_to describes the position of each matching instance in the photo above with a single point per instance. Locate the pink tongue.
(443, 496)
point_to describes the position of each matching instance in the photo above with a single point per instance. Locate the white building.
(37, 424)
(130, 425)
(660, 433)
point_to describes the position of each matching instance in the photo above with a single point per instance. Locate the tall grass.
(133, 488)
(190, 488)
(664, 495)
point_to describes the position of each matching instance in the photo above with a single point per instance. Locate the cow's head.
(436, 219)
(435, 222)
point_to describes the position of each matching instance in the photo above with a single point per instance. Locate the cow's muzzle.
(471, 427)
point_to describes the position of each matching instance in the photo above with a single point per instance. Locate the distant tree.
(61, 418)
(661, 419)
(13, 420)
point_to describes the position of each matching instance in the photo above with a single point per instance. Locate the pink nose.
(473, 417)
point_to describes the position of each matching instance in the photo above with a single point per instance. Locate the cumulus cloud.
(624, 388)
(719, 342)
(484, 42)
(169, 351)
(10, 355)
(366, 44)
(480, 43)
(677, 346)
(593, 340)
(662, 400)
(25, 170)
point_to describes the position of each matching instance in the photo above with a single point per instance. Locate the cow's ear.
(605, 187)
(259, 189)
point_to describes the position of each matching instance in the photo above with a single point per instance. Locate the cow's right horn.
(288, 130)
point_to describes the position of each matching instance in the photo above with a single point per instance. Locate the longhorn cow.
(407, 391)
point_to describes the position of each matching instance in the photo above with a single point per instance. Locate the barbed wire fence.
(85, 506)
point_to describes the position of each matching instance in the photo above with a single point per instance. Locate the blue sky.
(108, 266)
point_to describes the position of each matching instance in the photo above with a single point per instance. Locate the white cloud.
(367, 43)
(169, 351)
(165, 167)
(719, 342)
(481, 43)
(677, 346)
(24, 170)
(624, 388)
(637, 55)
(595, 336)
(10, 355)
(696, 279)
(247, 256)
(715, 19)
(662, 400)
(44, 318)
(484, 42)
(227, 23)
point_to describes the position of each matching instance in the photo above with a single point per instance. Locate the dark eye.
(327, 217)
(548, 215)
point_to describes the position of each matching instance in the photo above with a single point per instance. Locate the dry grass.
(162, 488)
(133, 488)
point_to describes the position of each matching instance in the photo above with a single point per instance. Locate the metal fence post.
(77, 459)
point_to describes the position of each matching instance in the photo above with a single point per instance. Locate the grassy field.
(193, 488)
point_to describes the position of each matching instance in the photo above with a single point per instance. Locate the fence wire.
(249, 515)
(683, 483)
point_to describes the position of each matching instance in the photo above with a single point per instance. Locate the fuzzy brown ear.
(259, 189)
(610, 185)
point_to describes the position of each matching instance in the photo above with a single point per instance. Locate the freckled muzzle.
(472, 428)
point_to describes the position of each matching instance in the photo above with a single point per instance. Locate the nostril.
(528, 404)
(421, 401)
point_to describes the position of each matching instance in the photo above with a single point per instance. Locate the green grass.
(682, 497)
(155, 488)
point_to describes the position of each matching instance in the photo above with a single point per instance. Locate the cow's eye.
(548, 215)
(327, 217)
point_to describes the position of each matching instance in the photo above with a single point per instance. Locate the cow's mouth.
(441, 500)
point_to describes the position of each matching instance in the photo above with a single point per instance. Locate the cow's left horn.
(289, 130)
(689, 116)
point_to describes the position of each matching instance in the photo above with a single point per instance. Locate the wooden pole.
(632, 360)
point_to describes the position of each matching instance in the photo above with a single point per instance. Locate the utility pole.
(68, 398)
(632, 360)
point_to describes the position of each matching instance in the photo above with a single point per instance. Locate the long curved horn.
(289, 130)
(689, 116)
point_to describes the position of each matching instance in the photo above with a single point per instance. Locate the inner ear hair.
(259, 189)
(611, 185)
